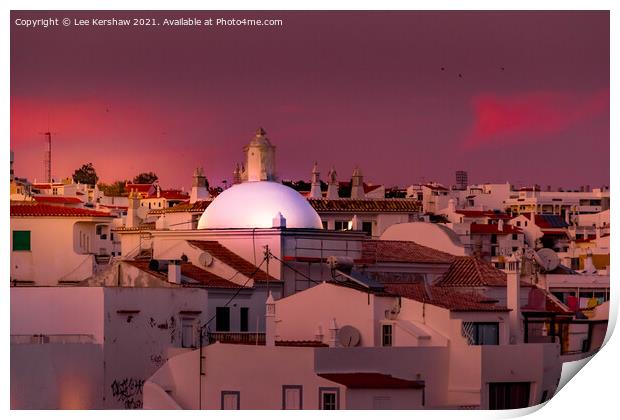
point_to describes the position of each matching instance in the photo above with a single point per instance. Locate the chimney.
(315, 189)
(333, 333)
(513, 297)
(132, 220)
(319, 333)
(332, 186)
(174, 271)
(237, 175)
(200, 187)
(357, 184)
(270, 321)
(500, 225)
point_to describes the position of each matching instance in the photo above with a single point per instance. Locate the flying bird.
(460, 75)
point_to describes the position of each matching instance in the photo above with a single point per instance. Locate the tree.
(115, 189)
(145, 178)
(86, 174)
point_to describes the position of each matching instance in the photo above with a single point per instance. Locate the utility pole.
(267, 258)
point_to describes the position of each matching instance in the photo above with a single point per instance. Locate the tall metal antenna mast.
(48, 156)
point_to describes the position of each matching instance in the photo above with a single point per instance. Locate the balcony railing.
(52, 339)
(254, 338)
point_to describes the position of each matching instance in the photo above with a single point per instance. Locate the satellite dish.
(548, 259)
(348, 336)
(205, 259)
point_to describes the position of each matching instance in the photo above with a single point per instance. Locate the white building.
(93, 347)
(359, 348)
(54, 245)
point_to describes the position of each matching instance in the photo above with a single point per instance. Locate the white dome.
(256, 204)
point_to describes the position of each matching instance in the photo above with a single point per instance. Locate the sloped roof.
(471, 271)
(170, 195)
(367, 187)
(374, 251)
(233, 260)
(347, 205)
(203, 277)
(141, 188)
(46, 210)
(196, 207)
(444, 297)
(57, 199)
(483, 213)
(492, 229)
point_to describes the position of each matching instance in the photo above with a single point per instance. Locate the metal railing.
(52, 339)
(255, 338)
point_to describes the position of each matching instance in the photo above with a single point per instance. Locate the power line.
(295, 270)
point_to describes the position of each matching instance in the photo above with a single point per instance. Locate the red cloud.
(515, 118)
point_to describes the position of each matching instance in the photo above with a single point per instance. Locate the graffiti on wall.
(128, 391)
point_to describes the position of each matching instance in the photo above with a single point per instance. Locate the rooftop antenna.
(48, 156)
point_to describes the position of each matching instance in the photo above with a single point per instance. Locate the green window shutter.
(21, 240)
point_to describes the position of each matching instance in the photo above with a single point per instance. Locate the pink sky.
(341, 88)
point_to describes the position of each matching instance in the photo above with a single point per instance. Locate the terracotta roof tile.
(170, 195)
(57, 199)
(488, 229)
(374, 251)
(387, 205)
(196, 207)
(483, 213)
(203, 277)
(41, 210)
(141, 188)
(233, 260)
(470, 271)
(443, 297)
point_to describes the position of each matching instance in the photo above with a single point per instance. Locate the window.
(292, 397)
(341, 225)
(21, 240)
(329, 398)
(244, 321)
(515, 236)
(231, 400)
(518, 223)
(324, 223)
(222, 318)
(481, 333)
(493, 239)
(386, 335)
(367, 227)
(188, 332)
(509, 395)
